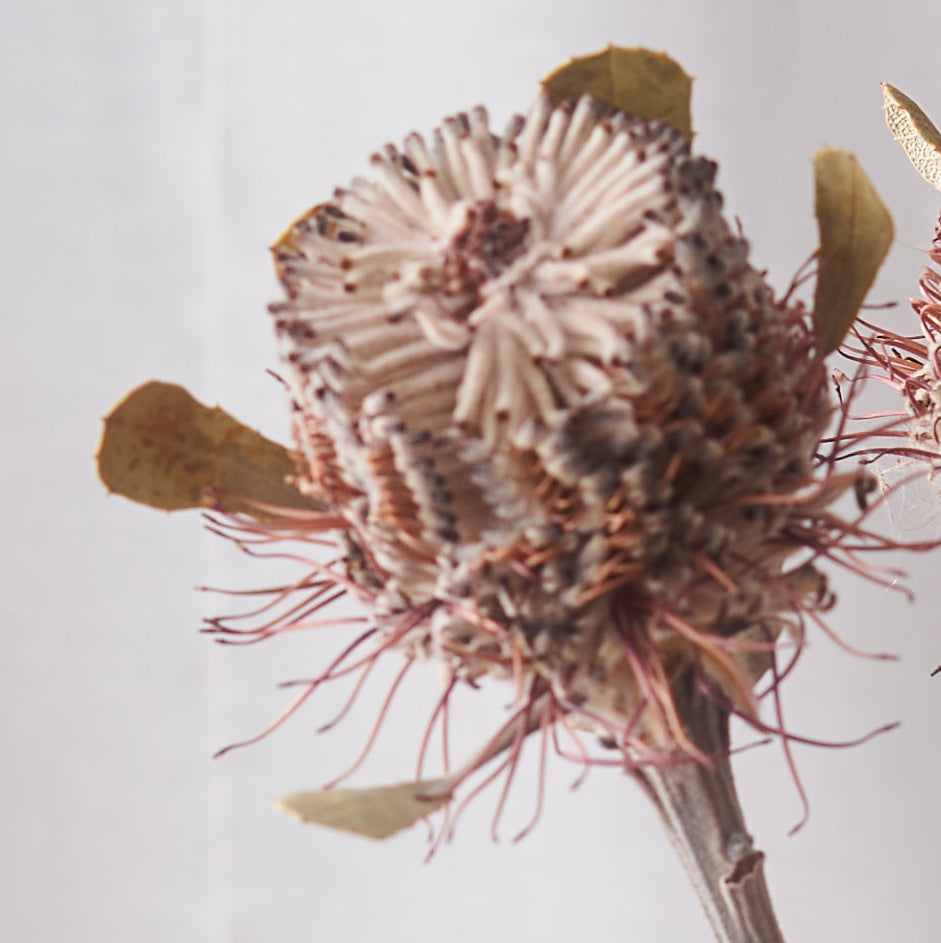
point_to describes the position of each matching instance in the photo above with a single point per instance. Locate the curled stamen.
(375, 730)
(441, 708)
(545, 723)
(310, 687)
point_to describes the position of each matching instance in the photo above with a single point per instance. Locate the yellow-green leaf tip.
(640, 81)
(855, 234)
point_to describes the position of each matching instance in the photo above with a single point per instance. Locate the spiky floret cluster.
(913, 366)
(564, 432)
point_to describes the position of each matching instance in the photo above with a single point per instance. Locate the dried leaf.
(855, 235)
(648, 84)
(162, 448)
(375, 813)
(913, 129)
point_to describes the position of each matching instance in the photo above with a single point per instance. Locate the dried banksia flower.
(564, 432)
(552, 428)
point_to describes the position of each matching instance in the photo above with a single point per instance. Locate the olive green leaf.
(375, 813)
(648, 84)
(855, 235)
(913, 129)
(163, 448)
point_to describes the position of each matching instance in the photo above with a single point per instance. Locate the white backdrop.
(152, 150)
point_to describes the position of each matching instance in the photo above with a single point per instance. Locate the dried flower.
(565, 432)
(911, 365)
(558, 431)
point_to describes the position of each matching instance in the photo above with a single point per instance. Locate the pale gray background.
(151, 152)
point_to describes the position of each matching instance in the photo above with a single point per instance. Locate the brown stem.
(699, 809)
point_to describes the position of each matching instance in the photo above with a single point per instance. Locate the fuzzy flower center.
(490, 241)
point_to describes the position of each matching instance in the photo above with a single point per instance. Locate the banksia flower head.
(564, 432)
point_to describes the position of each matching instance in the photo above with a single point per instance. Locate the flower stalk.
(699, 808)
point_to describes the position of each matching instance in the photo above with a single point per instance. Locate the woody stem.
(699, 808)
